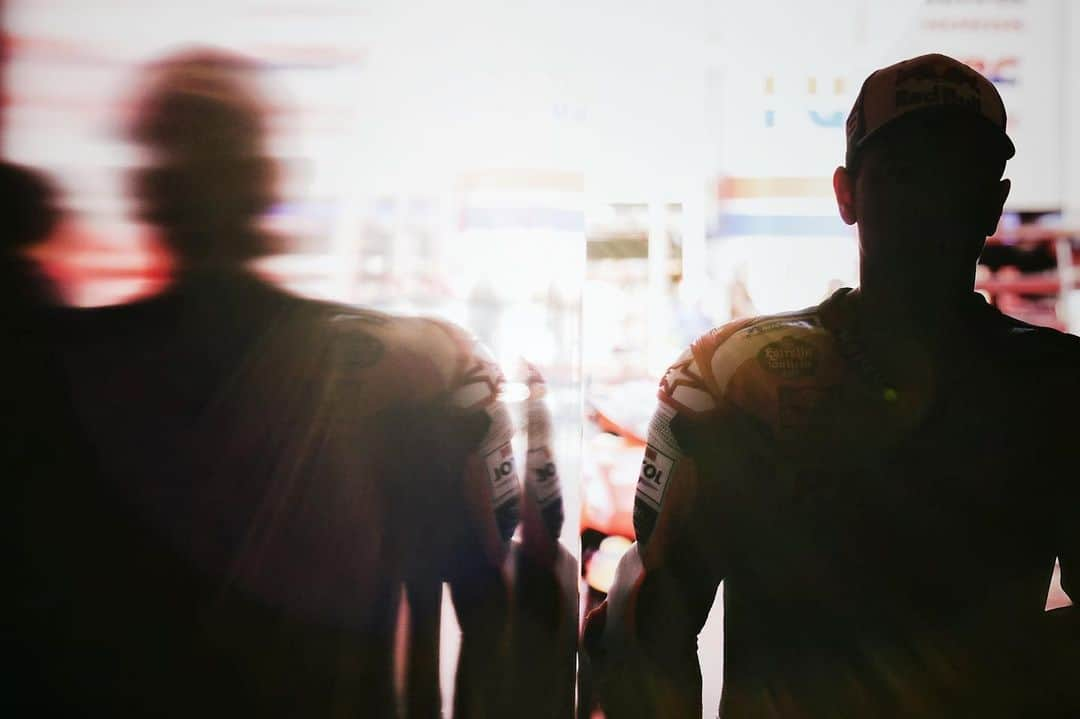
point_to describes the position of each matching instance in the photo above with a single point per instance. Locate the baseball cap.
(926, 83)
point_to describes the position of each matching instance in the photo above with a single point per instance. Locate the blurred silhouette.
(41, 447)
(262, 472)
(28, 209)
(883, 481)
(28, 206)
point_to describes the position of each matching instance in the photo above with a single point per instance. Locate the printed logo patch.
(655, 474)
(789, 358)
(933, 86)
(503, 473)
(545, 476)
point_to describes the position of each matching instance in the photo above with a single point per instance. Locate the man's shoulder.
(1029, 345)
(787, 345)
(1040, 339)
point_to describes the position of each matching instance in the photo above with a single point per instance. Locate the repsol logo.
(654, 466)
(503, 470)
(546, 473)
(656, 469)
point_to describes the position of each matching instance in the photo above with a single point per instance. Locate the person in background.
(31, 390)
(882, 482)
(262, 471)
(28, 205)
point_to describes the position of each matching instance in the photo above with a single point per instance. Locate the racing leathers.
(885, 549)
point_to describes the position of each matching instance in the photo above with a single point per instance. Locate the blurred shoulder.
(431, 353)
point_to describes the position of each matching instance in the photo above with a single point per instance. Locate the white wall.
(1070, 88)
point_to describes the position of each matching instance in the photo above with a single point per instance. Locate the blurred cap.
(928, 83)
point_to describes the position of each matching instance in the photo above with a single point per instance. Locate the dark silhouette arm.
(643, 639)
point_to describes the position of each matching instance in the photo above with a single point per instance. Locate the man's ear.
(844, 186)
(998, 206)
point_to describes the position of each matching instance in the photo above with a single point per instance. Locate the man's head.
(207, 178)
(926, 151)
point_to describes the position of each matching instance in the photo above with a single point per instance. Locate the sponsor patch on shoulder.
(503, 474)
(656, 469)
(789, 357)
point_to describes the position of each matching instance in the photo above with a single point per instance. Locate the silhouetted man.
(882, 482)
(266, 469)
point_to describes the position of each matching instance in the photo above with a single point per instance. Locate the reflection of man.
(882, 481)
(268, 468)
(533, 675)
(545, 577)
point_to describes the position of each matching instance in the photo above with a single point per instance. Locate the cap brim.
(996, 137)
